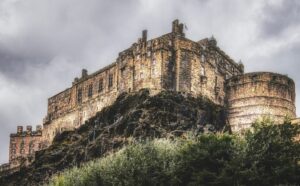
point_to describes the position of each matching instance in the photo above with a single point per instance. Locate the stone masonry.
(169, 62)
(23, 145)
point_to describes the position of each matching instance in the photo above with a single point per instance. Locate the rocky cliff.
(136, 116)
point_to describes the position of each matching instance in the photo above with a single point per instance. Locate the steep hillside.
(135, 115)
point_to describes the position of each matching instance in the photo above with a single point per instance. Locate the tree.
(272, 154)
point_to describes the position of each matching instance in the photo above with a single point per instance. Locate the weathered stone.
(171, 62)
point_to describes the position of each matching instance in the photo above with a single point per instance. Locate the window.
(202, 71)
(202, 58)
(122, 71)
(90, 90)
(153, 67)
(110, 80)
(22, 151)
(31, 147)
(13, 151)
(100, 86)
(216, 81)
(135, 75)
(141, 75)
(153, 62)
(79, 95)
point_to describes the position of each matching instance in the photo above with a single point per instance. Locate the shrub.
(267, 155)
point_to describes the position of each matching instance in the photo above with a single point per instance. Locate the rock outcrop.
(134, 116)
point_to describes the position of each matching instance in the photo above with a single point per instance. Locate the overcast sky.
(44, 44)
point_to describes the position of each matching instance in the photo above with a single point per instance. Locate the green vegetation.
(266, 155)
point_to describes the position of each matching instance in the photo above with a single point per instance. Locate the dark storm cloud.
(44, 44)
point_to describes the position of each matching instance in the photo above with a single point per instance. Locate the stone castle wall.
(169, 62)
(23, 145)
(256, 95)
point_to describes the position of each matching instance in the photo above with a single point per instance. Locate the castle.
(169, 62)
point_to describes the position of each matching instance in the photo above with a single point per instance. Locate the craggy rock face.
(134, 116)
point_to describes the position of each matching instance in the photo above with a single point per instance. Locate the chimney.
(28, 129)
(175, 26)
(84, 73)
(144, 35)
(20, 130)
(180, 28)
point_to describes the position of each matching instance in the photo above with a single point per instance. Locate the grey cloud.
(277, 18)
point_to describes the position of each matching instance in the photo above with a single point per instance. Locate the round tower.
(256, 95)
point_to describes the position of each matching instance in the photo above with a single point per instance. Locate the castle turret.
(257, 95)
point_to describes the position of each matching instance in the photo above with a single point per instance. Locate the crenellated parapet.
(28, 132)
(23, 144)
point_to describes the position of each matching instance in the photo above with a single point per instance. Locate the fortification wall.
(255, 95)
(169, 62)
(138, 67)
(202, 69)
(24, 144)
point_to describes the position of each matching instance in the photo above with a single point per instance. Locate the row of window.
(91, 87)
(22, 148)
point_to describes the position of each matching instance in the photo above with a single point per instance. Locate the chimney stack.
(20, 130)
(177, 28)
(84, 73)
(144, 35)
(175, 24)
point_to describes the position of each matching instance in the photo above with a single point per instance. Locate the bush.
(266, 155)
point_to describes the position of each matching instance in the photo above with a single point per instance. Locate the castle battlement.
(24, 144)
(27, 132)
